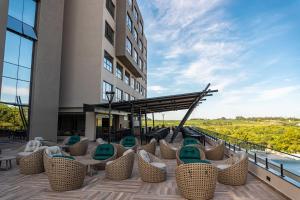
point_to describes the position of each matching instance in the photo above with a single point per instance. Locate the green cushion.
(73, 139)
(128, 141)
(189, 152)
(187, 161)
(63, 156)
(190, 140)
(104, 151)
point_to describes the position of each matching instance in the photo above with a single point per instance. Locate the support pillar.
(140, 123)
(132, 119)
(90, 126)
(153, 120)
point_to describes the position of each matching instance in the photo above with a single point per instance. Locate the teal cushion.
(188, 141)
(128, 141)
(104, 151)
(63, 156)
(187, 161)
(189, 152)
(73, 139)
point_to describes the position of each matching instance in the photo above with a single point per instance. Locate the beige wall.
(3, 21)
(82, 53)
(46, 70)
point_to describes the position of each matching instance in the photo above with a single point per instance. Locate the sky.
(248, 50)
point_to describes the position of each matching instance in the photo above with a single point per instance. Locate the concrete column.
(3, 21)
(90, 126)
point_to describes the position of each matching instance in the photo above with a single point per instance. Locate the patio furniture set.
(199, 168)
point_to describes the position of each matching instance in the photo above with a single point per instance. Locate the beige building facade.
(80, 50)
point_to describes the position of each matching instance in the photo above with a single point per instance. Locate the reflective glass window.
(8, 90)
(10, 70)
(29, 12)
(24, 74)
(12, 44)
(26, 53)
(15, 9)
(23, 91)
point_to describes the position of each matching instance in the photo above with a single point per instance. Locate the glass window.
(126, 96)
(14, 24)
(135, 34)
(140, 44)
(128, 46)
(137, 88)
(15, 9)
(12, 45)
(119, 95)
(132, 82)
(28, 30)
(26, 52)
(135, 14)
(129, 22)
(106, 87)
(132, 98)
(109, 33)
(29, 12)
(24, 74)
(119, 72)
(127, 78)
(108, 62)
(23, 91)
(110, 7)
(129, 3)
(10, 70)
(8, 90)
(135, 56)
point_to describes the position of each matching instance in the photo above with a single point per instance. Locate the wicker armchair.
(234, 170)
(167, 151)
(202, 154)
(79, 148)
(120, 168)
(120, 150)
(216, 152)
(196, 181)
(33, 163)
(65, 174)
(102, 165)
(149, 172)
(133, 147)
(151, 147)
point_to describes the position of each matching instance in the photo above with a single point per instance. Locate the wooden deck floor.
(15, 186)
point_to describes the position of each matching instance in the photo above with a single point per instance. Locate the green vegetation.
(280, 134)
(10, 118)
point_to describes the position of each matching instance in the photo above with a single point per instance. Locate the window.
(141, 27)
(109, 33)
(135, 14)
(129, 3)
(135, 34)
(142, 90)
(110, 7)
(140, 44)
(137, 88)
(119, 72)
(132, 98)
(108, 62)
(106, 87)
(132, 82)
(129, 22)
(127, 78)
(140, 63)
(135, 56)
(16, 68)
(126, 96)
(128, 46)
(119, 95)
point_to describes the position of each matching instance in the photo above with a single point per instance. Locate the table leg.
(89, 170)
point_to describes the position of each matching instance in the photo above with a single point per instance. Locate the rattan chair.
(33, 163)
(196, 181)
(166, 150)
(234, 170)
(120, 168)
(65, 174)
(151, 147)
(133, 147)
(150, 173)
(216, 152)
(102, 165)
(79, 148)
(202, 154)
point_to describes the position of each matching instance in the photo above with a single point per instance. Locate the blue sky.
(249, 50)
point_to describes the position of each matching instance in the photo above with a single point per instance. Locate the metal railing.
(258, 154)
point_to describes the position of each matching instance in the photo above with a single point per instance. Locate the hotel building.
(60, 54)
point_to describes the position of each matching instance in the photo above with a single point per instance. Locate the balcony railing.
(260, 155)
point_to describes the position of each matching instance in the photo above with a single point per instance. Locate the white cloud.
(275, 93)
(156, 88)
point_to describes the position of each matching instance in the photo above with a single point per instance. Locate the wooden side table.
(89, 163)
(7, 160)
